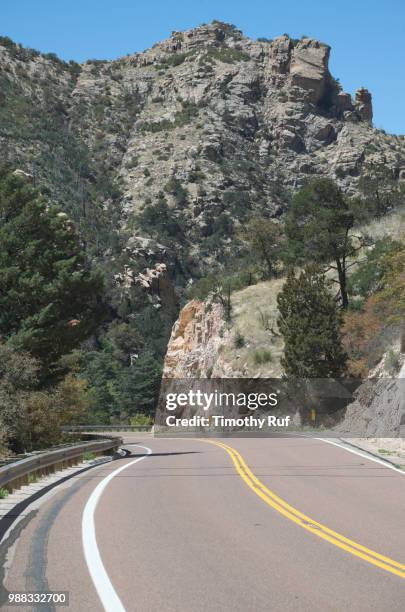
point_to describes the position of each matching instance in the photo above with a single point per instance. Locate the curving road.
(237, 525)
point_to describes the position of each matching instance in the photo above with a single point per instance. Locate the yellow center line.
(304, 521)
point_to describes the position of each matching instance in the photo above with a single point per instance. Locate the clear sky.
(367, 36)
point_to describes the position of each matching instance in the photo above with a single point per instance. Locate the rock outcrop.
(363, 104)
(195, 341)
(379, 406)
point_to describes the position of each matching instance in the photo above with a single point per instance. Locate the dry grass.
(253, 310)
(254, 313)
(392, 225)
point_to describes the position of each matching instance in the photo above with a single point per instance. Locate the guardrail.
(89, 428)
(15, 474)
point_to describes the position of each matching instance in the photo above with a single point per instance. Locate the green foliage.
(182, 117)
(62, 163)
(160, 221)
(141, 420)
(49, 300)
(265, 239)
(176, 189)
(3, 493)
(32, 417)
(137, 387)
(226, 55)
(319, 228)
(171, 61)
(262, 356)
(239, 340)
(207, 285)
(88, 456)
(310, 324)
(237, 202)
(366, 278)
(380, 189)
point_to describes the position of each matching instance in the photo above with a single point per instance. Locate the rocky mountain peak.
(194, 135)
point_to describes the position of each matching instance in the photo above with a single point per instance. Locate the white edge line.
(364, 454)
(102, 583)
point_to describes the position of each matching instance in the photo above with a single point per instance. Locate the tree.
(31, 418)
(310, 324)
(137, 387)
(49, 299)
(161, 221)
(319, 228)
(381, 189)
(264, 237)
(366, 278)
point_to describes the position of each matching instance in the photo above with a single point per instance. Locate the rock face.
(379, 407)
(309, 68)
(195, 341)
(378, 411)
(217, 126)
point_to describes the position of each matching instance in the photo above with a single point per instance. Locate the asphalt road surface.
(240, 525)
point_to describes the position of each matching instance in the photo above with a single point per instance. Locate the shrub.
(262, 356)
(88, 456)
(239, 340)
(140, 419)
(173, 60)
(226, 55)
(183, 117)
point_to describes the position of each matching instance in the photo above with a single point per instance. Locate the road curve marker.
(102, 583)
(304, 521)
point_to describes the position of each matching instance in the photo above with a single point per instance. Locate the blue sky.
(366, 36)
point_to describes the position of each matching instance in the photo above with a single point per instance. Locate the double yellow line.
(304, 521)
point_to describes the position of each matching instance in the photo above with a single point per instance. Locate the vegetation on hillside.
(65, 357)
(310, 322)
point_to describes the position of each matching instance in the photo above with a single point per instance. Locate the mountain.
(163, 154)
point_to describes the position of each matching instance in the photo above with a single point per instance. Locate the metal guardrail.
(90, 428)
(19, 469)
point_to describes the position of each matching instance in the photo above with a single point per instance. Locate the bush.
(262, 356)
(182, 117)
(88, 456)
(141, 420)
(366, 279)
(239, 340)
(173, 60)
(226, 55)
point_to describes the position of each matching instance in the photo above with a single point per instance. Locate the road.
(258, 524)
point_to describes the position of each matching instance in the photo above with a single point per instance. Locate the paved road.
(196, 527)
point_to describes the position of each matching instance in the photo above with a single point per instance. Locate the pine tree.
(49, 299)
(137, 387)
(319, 228)
(310, 324)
